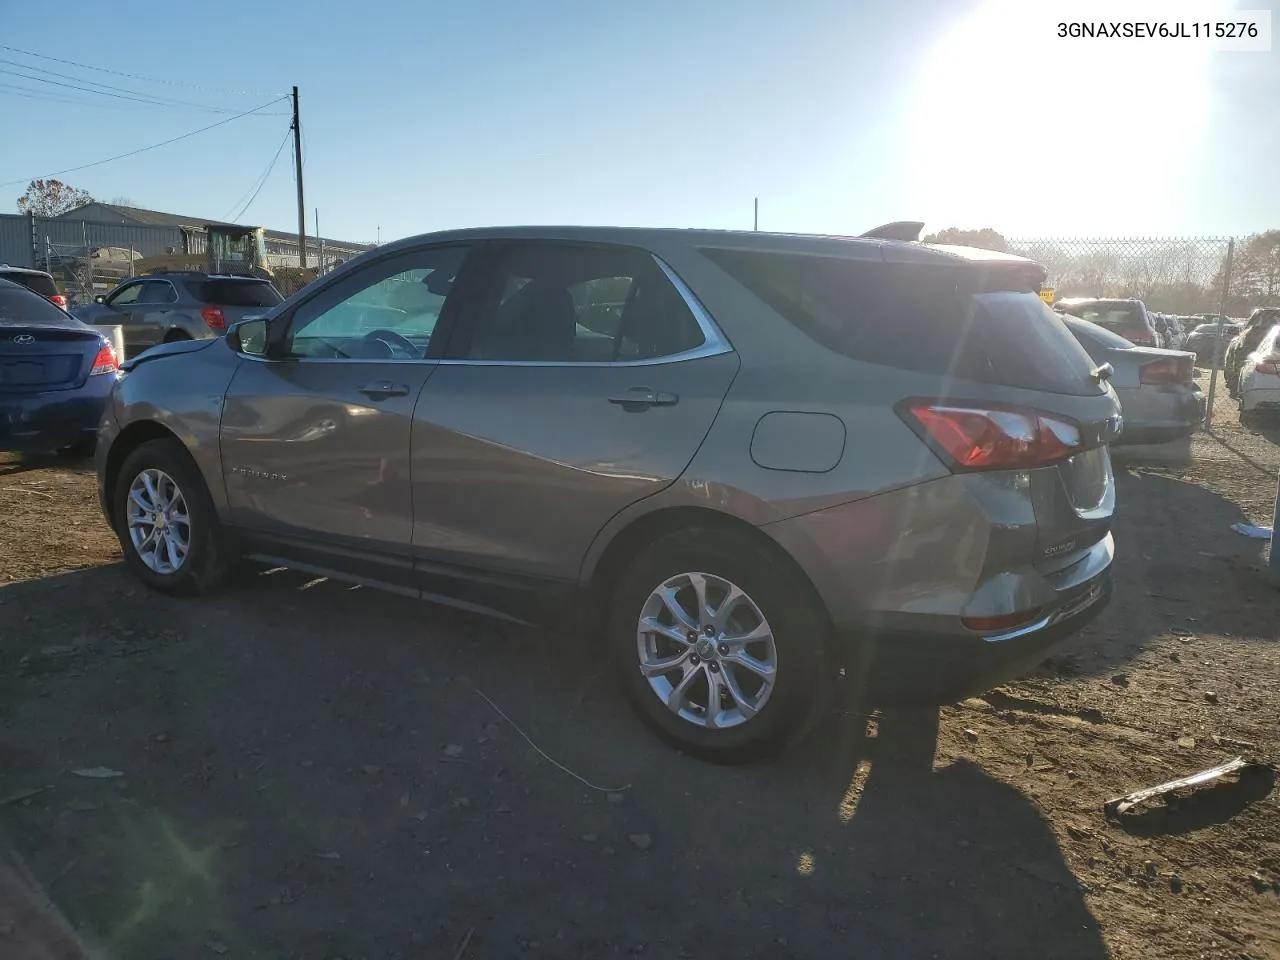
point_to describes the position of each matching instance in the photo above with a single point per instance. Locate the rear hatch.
(231, 299)
(988, 376)
(41, 347)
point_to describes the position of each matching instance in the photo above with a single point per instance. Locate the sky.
(838, 114)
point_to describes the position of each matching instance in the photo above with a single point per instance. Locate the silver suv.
(739, 461)
(174, 305)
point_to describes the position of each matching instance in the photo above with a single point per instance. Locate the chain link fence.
(1183, 276)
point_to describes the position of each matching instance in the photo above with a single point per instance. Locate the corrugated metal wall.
(71, 236)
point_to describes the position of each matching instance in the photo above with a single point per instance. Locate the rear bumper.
(47, 421)
(914, 668)
(1155, 414)
(1260, 392)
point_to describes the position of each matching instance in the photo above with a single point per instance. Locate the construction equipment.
(231, 249)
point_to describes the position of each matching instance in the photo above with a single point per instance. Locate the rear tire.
(768, 693)
(166, 522)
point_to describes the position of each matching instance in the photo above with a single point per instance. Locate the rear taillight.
(104, 362)
(214, 317)
(1168, 370)
(994, 438)
(1267, 366)
(60, 300)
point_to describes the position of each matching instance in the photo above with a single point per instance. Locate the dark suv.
(163, 307)
(37, 281)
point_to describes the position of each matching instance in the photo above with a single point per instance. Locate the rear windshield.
(1113, 316)
(1090, 334)
(960, 321)
(41, 283)
(236, 293)
(21, 306)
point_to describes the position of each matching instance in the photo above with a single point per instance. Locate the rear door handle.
(636, 399)
(383, 389)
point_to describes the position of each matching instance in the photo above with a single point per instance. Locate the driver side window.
(125, 296)
(388, 311)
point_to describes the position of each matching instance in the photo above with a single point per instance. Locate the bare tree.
(48, 198)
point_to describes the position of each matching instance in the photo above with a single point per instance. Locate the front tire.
(166, 522)
(721, 647)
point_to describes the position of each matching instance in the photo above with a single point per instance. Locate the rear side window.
(39, 282)
(960, 321)
(579, 304)
(236, 293)
(19, 305)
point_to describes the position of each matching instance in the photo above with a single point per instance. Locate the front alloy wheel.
(706, 650)
(166, 521)
(159, 522)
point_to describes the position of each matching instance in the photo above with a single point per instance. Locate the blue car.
(56, 375)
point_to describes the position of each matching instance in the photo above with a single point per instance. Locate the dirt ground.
(299, 769)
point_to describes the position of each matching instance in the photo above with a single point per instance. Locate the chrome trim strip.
(1069, 609)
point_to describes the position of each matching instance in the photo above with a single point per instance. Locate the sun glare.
(1007, 118)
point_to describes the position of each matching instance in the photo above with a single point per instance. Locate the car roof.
(6, 268)
(649, 237)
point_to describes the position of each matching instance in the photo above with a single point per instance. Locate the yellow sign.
(1047, 295)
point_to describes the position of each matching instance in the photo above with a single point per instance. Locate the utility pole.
(297, 161)
(755, 220)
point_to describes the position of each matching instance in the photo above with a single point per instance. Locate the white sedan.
(1260, 376)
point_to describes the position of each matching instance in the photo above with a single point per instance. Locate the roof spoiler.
(908, 230)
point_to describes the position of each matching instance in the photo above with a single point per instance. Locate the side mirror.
(100, 299)
(249, 337)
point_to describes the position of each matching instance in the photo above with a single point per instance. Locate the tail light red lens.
(60, 300)
(214, 317)
(104, 362)
(1168, 370)
(1267, 366)
(995, 438)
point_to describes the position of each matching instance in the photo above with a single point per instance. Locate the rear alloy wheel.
(706, 650)
(166, 521)
(720, 645)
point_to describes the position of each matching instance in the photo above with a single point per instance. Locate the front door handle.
(636, 399)
(383, 389)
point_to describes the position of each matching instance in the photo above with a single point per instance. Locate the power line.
(159, 100)
(57, 96)
(262, 180)
(144, 98)
(133, 76)
(134, 153)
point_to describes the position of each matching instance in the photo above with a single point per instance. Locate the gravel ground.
(304, 769)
